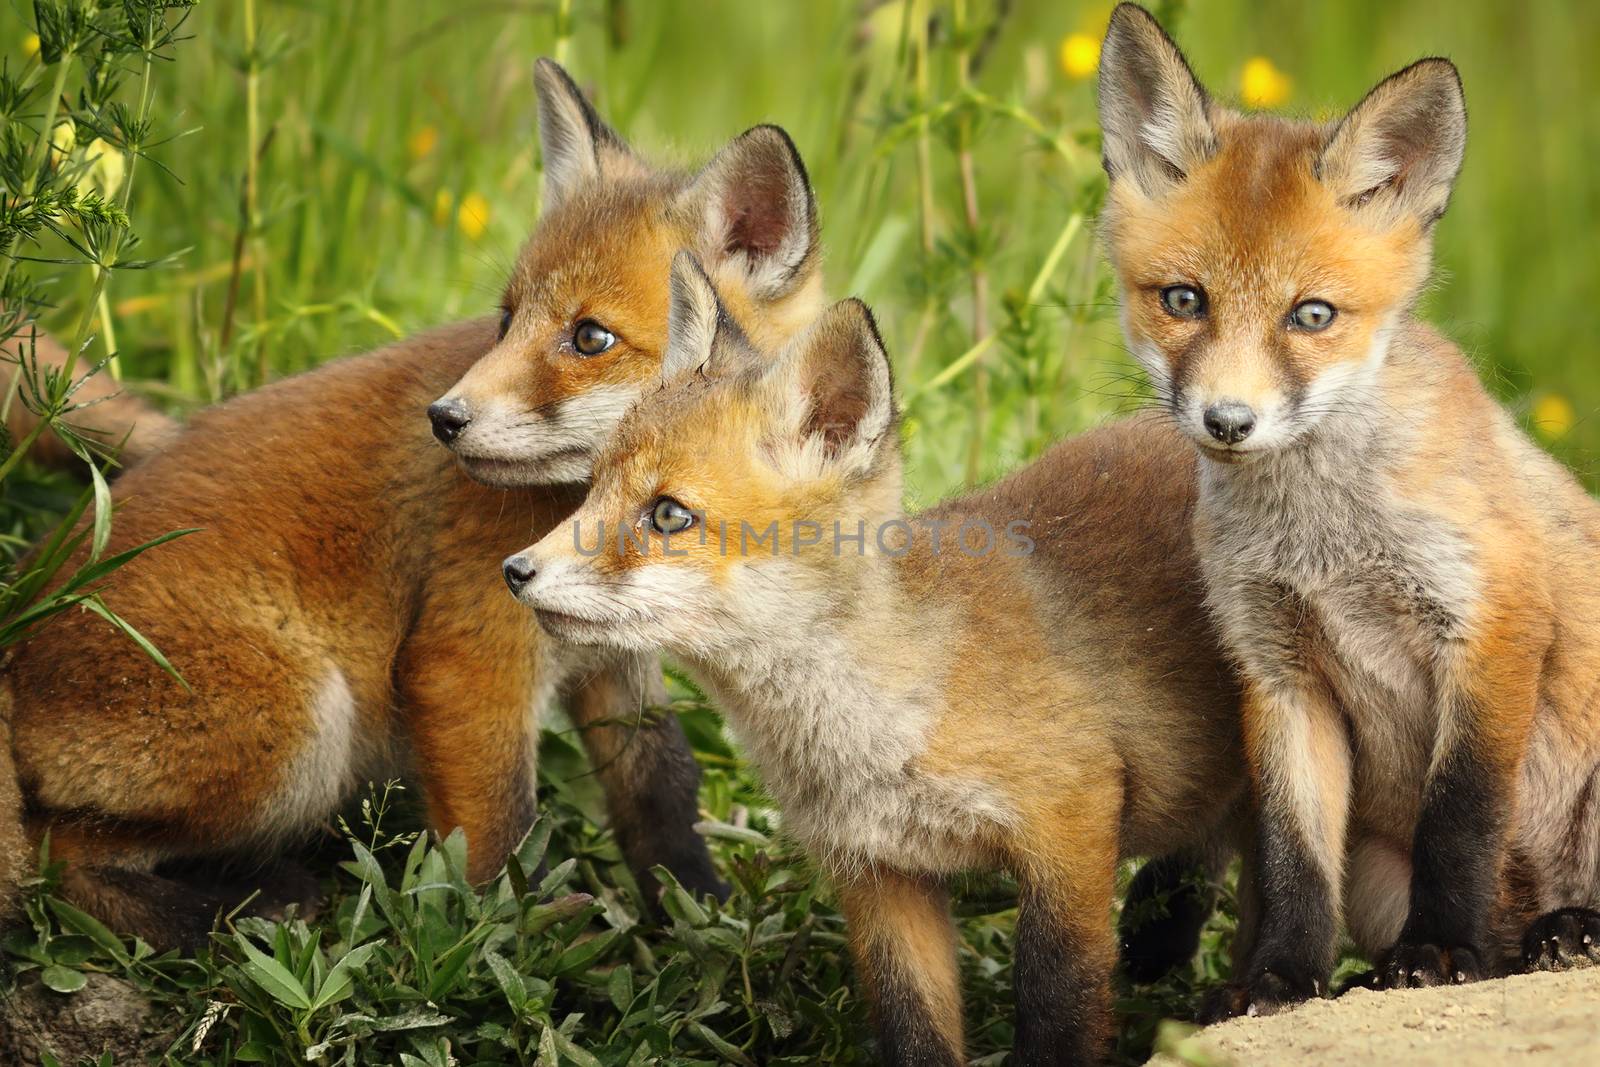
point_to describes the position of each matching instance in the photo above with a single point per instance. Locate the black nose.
(449, 418)
(1230, 422)
(519, 571)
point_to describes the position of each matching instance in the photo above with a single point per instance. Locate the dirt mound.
(1548, 1020)
(106, 1015)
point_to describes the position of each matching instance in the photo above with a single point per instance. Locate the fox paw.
(1568, 937)
(1411, 965)
(1264, 993)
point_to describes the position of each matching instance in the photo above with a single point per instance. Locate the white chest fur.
(838, 753)
(1314, 562)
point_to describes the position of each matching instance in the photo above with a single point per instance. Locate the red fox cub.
(1407, 583)
(1006, 681)
(340, 609)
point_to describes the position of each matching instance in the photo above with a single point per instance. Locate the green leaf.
(582, 954)
(577, 1055)
(102, 512)
(273, 976)
(341, 979)
(63, 979)
(83, 923)
(727, 1051)
(620, 987)
(511, 983)
(96, 605)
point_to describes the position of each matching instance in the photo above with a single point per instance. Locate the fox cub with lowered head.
(1002, 682)
(340, 611)
(1408, 585)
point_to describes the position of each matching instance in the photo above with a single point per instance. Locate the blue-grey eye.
(1184, 301)
(668, 516)
(1312, 315)
(590, 338)
(505, 324)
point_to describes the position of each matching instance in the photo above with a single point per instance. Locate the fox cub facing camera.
(1408, 584)
(339, 614)
(985, 685)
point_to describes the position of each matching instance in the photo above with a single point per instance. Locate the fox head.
(736, 498)
(1265, 262)
(584, 316)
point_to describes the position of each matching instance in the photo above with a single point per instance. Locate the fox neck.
(835, 702)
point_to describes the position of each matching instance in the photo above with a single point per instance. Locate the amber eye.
(505, 324)
(1184, 301)
(590, 338)
(667, 516)
(1312, 315)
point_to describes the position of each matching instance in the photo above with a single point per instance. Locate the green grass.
(310, 197)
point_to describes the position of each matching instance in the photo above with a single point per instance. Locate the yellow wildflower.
(421, 143)
(1080, 55)
(30, 45)
(473, 217)
(443, 206)
(1553, 416)
(107, 168)
(62, 141)
(1263, 85)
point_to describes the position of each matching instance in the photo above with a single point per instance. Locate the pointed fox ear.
(1153, 111)
(576, 143)
(693, 314)
(842, 371)
(755, 209)
(1400, 149)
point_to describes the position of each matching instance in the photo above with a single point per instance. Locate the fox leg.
(1168, 903)
(469, 677)
(650, 778)
(904, 947)
(113, 874)
(1065, 947)
(1301, 766)
(1488, 692)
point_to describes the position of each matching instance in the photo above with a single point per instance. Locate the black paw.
(1418, 965)
(1264, 993)
(1564, 938)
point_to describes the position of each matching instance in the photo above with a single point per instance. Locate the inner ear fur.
(1154, 113)
(1400, 149)
(754, 207)
(842, 371)
(576, 144)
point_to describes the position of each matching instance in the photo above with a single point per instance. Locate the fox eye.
(1312, 315)
(505, 324)
(590, 338)
(668, 516)
(1184, 301)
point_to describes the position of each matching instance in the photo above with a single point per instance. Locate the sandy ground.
(1551, 1020)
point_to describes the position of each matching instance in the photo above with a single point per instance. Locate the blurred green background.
(398, 173)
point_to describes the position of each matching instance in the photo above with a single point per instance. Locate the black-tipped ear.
(1400, 149)
(575, 141)
(843, 372)
(693, 312)
(754, 207)
(1153, 110)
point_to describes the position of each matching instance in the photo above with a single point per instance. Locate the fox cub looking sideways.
(341, 607)
(922, 698)
(1407, 583)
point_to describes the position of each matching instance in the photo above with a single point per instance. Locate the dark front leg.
(651, 780)
(1488, 692)
(1300, 766)
(1456, 860)
(905, 952)
(1065, 945)
(1166, 908)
